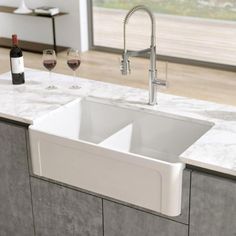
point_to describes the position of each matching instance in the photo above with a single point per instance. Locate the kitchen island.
(56, 208)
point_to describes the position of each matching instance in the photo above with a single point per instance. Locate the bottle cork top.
(14, 39)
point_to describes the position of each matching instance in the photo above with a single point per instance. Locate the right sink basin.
(127, 154)
(159, 136)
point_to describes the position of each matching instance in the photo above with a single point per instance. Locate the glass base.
(51, 87)
(75, 87)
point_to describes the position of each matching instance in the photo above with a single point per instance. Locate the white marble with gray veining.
(216, 150)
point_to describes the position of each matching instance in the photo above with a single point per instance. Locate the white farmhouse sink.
(127, 154)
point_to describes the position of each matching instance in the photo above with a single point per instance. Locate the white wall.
(71, 30)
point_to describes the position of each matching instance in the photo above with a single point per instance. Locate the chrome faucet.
(125, 63)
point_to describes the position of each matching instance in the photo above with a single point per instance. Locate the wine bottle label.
(17, 65)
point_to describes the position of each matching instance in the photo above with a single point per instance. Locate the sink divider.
(120, 140)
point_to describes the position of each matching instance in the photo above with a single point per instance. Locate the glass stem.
(50, 78)
(75, 84)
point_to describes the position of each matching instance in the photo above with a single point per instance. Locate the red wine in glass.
(49, 64)
(73, 64)
(73, 61)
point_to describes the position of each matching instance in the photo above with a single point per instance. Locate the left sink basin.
(123, 153)
(83, 120)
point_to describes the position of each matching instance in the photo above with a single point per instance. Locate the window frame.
(171, 59)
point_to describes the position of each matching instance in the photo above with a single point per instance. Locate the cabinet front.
(60, 211)
(15, 208)
(121, 220)
(213, 206)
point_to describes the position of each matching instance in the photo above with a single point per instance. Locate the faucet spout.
(153, 22)
(125, 63)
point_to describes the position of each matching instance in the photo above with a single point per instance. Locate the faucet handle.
(125, 66)
(160, 82)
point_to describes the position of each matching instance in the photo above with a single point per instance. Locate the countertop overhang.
(216, 150)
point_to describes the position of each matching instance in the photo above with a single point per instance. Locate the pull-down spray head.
(125, 65)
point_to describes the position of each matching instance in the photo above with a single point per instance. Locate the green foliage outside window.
(212, 9)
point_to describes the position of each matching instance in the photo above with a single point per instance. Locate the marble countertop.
(216, 150)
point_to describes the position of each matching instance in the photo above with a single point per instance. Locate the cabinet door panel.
(213, 206)
(15, 207)
(120, 220)
(61, 211)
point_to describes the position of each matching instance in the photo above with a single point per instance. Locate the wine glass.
(49, 62)
(73, 61)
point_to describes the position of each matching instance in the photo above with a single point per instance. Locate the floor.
(184, 80)
(194, 38)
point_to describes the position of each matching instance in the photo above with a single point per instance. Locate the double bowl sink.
(123, 153)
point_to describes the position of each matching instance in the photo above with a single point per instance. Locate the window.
(201, 30)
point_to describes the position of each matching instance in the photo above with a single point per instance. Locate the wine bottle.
(17, 62)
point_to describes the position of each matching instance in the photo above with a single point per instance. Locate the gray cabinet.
(213, 206)
(60, 211)
(121, 220)
(15, 198)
